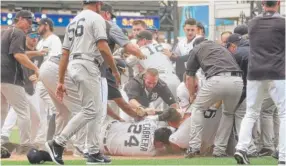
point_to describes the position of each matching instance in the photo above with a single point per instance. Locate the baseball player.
(155, 59)
(84, 44)
(221, 70)
(139, 138)
(181, 51)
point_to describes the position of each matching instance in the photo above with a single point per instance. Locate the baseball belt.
(55, 59)
(86, 57)
(105, 136)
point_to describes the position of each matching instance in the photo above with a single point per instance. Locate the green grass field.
(151, 161)
(194, 161)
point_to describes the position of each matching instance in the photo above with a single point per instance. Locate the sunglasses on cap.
(33, 35)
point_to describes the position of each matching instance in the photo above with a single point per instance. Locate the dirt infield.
(71, 157)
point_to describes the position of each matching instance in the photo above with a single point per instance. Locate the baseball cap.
(152, 29)
(233, 39)
(241, 29)
(108, 8)
(25, 14)
(270, 3)
(38, 156)
(145, 35)
(90, 1)
(46, 21)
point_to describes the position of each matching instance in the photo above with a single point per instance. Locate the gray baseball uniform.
(80, 39)
(222, 74)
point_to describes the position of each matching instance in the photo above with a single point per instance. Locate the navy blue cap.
(38, 156)
(121, 65)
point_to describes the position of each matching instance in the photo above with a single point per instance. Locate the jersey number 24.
(133, 141)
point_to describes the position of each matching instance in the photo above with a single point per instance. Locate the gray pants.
(221, 141)
(215, 89)
(269, 124)
(15, 96)
(86, 76)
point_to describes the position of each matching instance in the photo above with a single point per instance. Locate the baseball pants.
(86, 76)
(215, 89)
(36, 129)
(15, 96)
(221, 142)
(182, 136)
(256, 91)
(269, 124)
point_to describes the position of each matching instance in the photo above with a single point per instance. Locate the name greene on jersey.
(145, 139)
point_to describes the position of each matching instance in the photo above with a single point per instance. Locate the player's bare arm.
(126, 108)
(191, 85)
(104, 49)
(24, 60)
(111, 113)
(31, 54)
(134, 50)
(62, 70)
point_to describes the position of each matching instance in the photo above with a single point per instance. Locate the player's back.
(83, 32)
(156, 59)
(131, 139)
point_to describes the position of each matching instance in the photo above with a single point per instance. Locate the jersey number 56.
(133, 141)
(75, 29)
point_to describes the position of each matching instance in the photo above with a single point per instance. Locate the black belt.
(234, 73)
(79, 56)
(105, 136)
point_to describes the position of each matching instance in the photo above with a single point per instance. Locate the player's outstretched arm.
(104, 49)
(134, 50)
(63, 65)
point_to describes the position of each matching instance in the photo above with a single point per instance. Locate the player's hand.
(44, 51)
(167, 52)
(117, 78)
(141, 57)
(60, 91)
(37, 73)
(33, 78)
(151, 111)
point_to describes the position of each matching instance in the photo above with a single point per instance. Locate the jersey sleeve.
(132, 89)
(183, 96)
(67, 41)
(117, 35)
(165, 93)
(56, 47)
(99, 29)
(17, 42)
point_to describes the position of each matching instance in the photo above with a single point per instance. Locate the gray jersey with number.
(130, 139)
(82, 34)
(156, 59)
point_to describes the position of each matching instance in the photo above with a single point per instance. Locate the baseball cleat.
(55, 151)
(241, 157)
(190, 153)
(275, 154)
(98, 159)
(265, 152)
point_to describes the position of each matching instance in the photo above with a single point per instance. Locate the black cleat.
(220, 155)
(281, 163)
(56, 152)
(265, 152)
(241, 157)
(190, 153)
(275, 154)
(98, 159)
